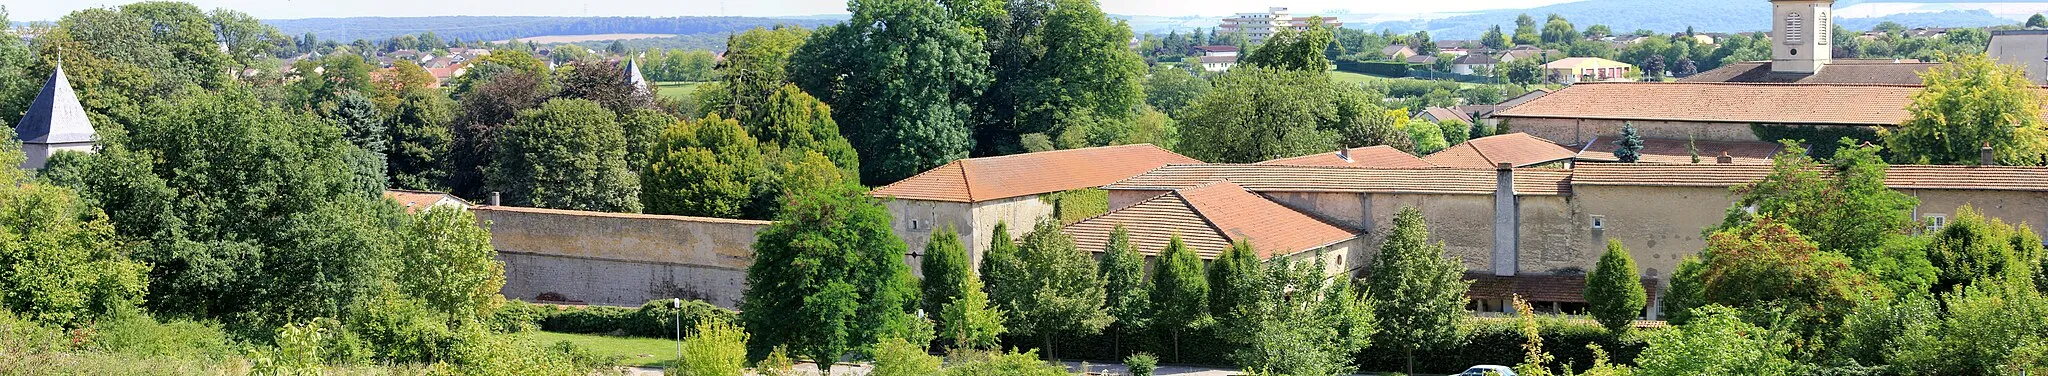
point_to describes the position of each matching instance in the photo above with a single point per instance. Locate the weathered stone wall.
(1548, 243)
(1659, 225)
(2011, 206)
(620, 259)
(976, 222)
(1464, 223)
(1347, 210)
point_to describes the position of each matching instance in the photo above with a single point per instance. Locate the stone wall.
(620, 259)
(2014, 207)
(1659, 225)
(976, 222)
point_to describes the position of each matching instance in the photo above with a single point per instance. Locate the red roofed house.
(1211, 217)
(1515, 149)
(972, 195)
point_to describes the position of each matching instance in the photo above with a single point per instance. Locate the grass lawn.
(632, 351)
(1360, 78)
(677, 90)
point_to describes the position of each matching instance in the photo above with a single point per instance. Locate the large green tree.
(445, 259)
(1237, 284)
(566, 154)
(1972, 247)
(709, 167)
(1970, 102)
(945, 268)
(1171, 89)
(1257, 114)
(1063, 70)
(1180, 292)
(1300, 50)
(1306, 323)
(1766, 267)
(827, 275)
(1417, 293)
(1128, 297)
(60, 261)
(1844, 205)
(901, 74)
(486, 110)
(421, 139)
(1614, 292)
(1059, 291)
(756, 64)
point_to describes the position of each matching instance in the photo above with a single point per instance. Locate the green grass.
(1361, 78)
(677, 90)
(631, 351)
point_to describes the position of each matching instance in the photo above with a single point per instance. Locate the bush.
(1499, 341)
(655, 319)
(1141, 364)
(717, 349)
(1376, 68)
(138, 335)
(518, 316)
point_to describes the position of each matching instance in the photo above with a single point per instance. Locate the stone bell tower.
(1801, 35)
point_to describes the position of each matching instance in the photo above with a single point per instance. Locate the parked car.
(1488, 370)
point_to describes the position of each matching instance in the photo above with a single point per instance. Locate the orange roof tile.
(1839, 104)
(1370, 156)
(1276, 178)
(1521, 149)
(1675, 151)
(1988, 178)
(1209, 218)
(416, 200)
(991, 178)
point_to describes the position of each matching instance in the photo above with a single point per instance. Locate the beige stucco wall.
(2029, 51)
(620, 259)
(1659, 225)
(1347, 210)
(1464, 223)
(976, 222)
(2012, 207)
(1546, 243)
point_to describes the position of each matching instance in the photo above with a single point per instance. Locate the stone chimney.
(494, 198)
(1344, 154)
(1986, 156)
(1724, 158)
(1506, 221)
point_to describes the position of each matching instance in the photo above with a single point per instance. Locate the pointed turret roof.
(633, 74)
(55, 117)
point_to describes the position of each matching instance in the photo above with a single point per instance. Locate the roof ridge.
(1198, 210)
(965, 179)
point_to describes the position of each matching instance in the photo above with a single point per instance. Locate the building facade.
(55, 122)
(1259, 26)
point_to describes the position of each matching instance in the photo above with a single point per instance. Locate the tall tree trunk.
(1411, 359)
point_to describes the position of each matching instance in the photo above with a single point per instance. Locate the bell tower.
(1801, 35)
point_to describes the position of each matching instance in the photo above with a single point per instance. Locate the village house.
(2027, 49)
(1217, 58)
(1586, 69)
(1472, 64)
(1397, 52)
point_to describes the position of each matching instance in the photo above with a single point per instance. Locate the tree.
(446, 261)
(1525, 30)
(1495, 39)
(902, 73)
(1766, 266)
(1303, 50)
(567, 154)
(1171, 89)
(363, 127)
(1614, 292)
(1717, 343)
(1257, 114)
(755, 66)
(1180, 292)
(1557, 30)
(1306, 324)
(61, 262)
(828, 274)
(1000, 266)
(1971, 102)
(1237, 284)
(1686, 68)
(1629, 148)
(1417, 294)
(1124, 288)
(1522, 72)
(605, 83)
(969, 320)
(2037, 21)
(1455, 131)
(403, 77)
(1653, 68)
(420, 141)
(1060, 291)
(1972, 247)
(709, 167)
(1429, 138)
(1851, 211)
(1060, 69)
(481, 116)
(1598, 31)
(1422, 44)
(945, 269)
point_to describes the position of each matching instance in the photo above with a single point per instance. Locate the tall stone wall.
(620, 259)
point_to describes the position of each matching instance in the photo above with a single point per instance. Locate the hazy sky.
(32, 10)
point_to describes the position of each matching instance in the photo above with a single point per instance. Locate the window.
(1795, 29)
(1934, 222)
(1599, 222)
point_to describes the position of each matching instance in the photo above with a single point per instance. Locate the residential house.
(1474, 64)
(1397, 52)
(55, 122)
(1423, 60)
(1455, 47)
(2027, 49)
(1217, 58)
(1587, 69)
(972, 195)
(1531, 52)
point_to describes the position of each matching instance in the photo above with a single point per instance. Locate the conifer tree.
(945, 270)
(1614, 292)
(1236, 287)
(1631, 145)
(969, 320)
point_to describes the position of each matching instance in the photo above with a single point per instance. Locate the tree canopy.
(902, 74)
(1971, 102)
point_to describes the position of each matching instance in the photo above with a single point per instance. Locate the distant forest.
(479, 28)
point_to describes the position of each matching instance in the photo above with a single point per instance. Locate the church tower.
(54, 122)
(1801, 35)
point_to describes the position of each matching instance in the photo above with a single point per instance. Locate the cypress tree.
(1180, 294)
(945, 270)
(1123, 275)
(1000, 266)
(1614, 291)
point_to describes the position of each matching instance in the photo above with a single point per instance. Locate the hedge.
(654, 319)
(1499, 342)
(1376, 68)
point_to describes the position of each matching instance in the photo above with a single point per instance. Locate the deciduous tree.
(1417, 294)
(1180, 292)
(1128, 298)
(827, 275)
(902, 74)
(1060, 291)
(709, 167)
(567, 154)
(1614, 292)
(1971, 102)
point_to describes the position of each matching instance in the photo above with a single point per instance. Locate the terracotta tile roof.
(1209, 218)
(1987, 178)
(580, 213)
(1370, 156)
(1216, 48)
(1724, 102)
(1537, 288)
(991, 178)
(1440, 114)
(417, 200)
(1839, 72)
(1521, 149)
(1657, 150)
(1277, 178)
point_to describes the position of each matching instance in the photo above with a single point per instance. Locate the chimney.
(1986, 157)
(1724, 158)
(494, 198)
(1344, 154)
(1506, 221)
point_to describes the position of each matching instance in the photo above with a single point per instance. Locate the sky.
(47, 10)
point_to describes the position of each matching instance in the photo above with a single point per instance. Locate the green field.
(631, 351)
(677, 90)
(1360, 78)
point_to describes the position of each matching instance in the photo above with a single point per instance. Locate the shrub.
(717, 349)
(518, 316)
(138, 335)
(896, 357)
(1141, 364)
(655, 319)
(1500, 341)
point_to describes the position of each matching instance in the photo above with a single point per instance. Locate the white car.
(1488, 371)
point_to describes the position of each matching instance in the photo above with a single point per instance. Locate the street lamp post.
(677, 304)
